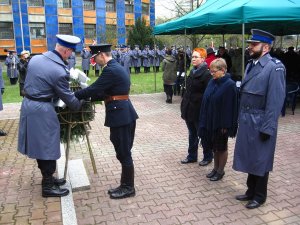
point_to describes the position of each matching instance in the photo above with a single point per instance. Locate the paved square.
(167, 191)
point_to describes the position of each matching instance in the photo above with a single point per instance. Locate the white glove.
(73, 74)
(83, 85)
(82, 77)
(59, 103)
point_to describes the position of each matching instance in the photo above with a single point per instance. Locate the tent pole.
(224, 40)
(184, 58)
(243, 49)
(154, 65)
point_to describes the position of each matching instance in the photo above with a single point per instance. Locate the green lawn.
(140, 83)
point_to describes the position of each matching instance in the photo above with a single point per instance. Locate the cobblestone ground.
(167, 192)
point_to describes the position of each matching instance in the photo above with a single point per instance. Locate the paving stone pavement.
(167, 192)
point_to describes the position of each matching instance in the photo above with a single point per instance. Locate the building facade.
(33, 24)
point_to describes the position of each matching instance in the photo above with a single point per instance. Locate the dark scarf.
(199, 70)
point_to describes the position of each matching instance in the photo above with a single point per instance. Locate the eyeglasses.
(213, 71)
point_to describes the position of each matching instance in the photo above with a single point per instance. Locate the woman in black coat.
(218, 116)
(191, 103)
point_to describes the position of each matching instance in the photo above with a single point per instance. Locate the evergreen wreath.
(76, 121)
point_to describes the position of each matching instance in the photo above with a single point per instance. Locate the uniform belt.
(39, 99)
(116, 98)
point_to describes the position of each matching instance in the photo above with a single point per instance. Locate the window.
(64, 3)
(90, 31)
(6, 30)
(65, 28)
(89, 5)
(129, 6)
(35, 3)
(145, 8)
(5, 2)
(110, 5)
(111, 33)
(37, 30)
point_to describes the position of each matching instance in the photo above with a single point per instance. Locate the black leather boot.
(50, 189)
(57, 181)
(126, 189)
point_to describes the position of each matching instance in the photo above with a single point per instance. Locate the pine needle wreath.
(77, 120)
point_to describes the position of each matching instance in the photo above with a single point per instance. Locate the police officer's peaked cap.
(95, 49)
(25, 52)
(68, 41)
(261, 36)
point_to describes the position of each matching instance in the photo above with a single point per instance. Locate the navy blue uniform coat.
(114, 80)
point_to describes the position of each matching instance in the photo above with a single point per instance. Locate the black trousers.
(122, 139)
(47, 167)
(86, 72)
(257, 187)
(168, 89)
(13, 81)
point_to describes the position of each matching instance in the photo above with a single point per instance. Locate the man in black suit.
(113, 87)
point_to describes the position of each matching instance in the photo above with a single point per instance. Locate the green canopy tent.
(280, 17)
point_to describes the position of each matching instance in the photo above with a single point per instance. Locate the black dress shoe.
(112, 190)
(211, 174)
(217, 176)
(185, 161)
(123, 192)
(252, 204)
(243, 198)
(54, 191)
(2, 133)
(205, 162)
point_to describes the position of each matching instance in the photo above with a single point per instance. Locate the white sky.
(164, 8)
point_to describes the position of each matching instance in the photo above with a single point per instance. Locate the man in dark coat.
(262, 94)
(39, 129)
(22, 67)
(113, 87)
(222, 53)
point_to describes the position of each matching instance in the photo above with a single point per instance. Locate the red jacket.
(210, 58)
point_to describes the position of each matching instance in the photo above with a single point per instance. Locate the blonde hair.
(201, 51)
(219, 64)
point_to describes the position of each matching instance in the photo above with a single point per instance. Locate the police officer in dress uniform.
(113, 87)
(72, 61)
(2, 132)
(146, 59)
(85, 64)
(136, 59)
(11, 62)
(39, 130)
(262, 94)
